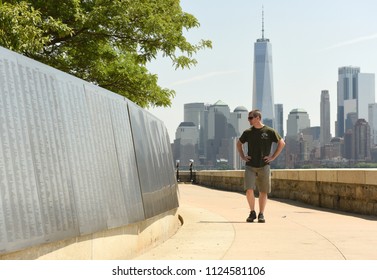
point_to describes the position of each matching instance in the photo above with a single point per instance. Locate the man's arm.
(279, 148)
(241, 152)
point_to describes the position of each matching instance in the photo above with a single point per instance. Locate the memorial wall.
(75, 158)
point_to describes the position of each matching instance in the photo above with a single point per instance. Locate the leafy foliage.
(106, 42)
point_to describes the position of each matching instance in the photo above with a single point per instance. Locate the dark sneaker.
(252, 217)
(261, 218)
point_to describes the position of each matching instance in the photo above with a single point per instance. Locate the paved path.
(214, 228)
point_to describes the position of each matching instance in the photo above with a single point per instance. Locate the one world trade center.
(263, 90)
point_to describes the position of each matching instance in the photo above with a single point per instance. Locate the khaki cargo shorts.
(258, 178)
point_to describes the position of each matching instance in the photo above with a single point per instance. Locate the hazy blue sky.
(310, 40)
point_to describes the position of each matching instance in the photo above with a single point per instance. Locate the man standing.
(259, 138)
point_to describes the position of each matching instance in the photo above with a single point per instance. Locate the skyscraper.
(263, 91)
(365, 94)
(218, 131)
(325, 135)
(298, 119)
(186, 143)
(197, 113)
(355, 92)
(279, 119)
(346, 101)
(372, 115)
(361, 141)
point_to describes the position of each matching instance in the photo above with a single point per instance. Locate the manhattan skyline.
(310, 42)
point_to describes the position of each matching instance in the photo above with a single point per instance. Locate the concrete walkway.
(215, 229)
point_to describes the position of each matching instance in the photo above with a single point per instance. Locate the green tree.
(106, 42)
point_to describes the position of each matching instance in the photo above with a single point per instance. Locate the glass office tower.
(355, 92)
(263, 91)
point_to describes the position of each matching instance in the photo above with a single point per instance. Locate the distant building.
(346, 96)
(303, 149)
(355, 91)
(372, 115)
(208, 135)
(325, 134)
(296, 148)
(298, 119)
(361, 141)
(365, 94)
(334, 149)
(279, 119)
(197, 113)
(239, 121)
(348, 142)
(186, 143)
(351, 120)
(312, 137)
(218, 130)
(263, 89)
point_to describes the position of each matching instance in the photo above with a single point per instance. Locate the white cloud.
(351, 42)
(202, 77)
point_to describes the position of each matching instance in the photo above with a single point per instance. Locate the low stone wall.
(350, 190)
(122, 243)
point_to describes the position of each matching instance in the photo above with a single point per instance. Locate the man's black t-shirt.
(259, 142)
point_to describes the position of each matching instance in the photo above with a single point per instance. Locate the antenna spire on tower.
(262, 23)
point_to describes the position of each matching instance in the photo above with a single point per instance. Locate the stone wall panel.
(75, 159)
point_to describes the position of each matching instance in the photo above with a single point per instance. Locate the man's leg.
(262, 201)
(250, 199)
(265, 187)
(249, 188)
(262, 205)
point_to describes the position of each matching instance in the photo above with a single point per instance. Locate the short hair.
(256, 113)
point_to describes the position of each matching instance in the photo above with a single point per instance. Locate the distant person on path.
(259, 138)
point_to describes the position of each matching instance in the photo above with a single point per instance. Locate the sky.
(310, 41)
